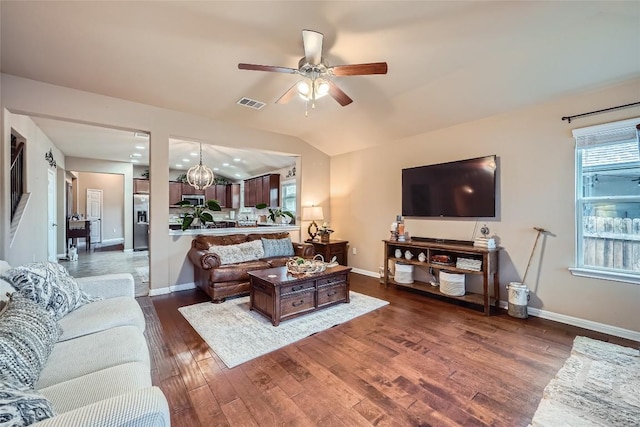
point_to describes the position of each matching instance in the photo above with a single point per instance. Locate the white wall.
(535, 152)
(112, 186)
(79, 164)
(37, 98)
(30, 242)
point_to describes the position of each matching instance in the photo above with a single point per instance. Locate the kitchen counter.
(235, 230)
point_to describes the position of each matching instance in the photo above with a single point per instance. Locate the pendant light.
(200, 176)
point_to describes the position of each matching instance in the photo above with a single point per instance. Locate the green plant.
(275, 213)
(199, 212)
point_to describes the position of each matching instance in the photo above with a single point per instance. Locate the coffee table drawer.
(329, 281)
(297, 303)
(329, 294)
(298, 287)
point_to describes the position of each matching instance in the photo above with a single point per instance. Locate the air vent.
(251, 103)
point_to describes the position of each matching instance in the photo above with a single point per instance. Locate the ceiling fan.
(316, 72)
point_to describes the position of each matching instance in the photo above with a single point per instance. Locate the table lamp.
(312, 213)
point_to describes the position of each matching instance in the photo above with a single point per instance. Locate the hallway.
(111, 259)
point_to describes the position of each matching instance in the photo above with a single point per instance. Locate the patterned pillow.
(50, 285)
(277, 247)
(233, 254)
(27, 335)
(20, 406)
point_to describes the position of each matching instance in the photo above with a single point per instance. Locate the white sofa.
(98, 373)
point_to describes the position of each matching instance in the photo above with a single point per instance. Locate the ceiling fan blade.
(337, 94)
(312, 42)
(286, 97)
(274, 69)
(359, 69)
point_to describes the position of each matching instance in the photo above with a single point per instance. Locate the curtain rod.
(569, 118)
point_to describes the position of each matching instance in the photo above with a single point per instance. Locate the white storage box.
(404, 273)
(452, 284)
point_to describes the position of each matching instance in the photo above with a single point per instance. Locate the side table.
(332, 248)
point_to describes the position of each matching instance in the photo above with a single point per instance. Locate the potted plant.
(275, 213)
(198, 212)
(324, 232)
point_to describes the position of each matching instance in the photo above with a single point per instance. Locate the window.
(289, 197)
(608, 201)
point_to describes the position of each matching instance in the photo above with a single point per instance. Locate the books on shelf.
(485, 242)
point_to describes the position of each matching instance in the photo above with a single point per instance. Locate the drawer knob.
(330, 294)
(297, 303)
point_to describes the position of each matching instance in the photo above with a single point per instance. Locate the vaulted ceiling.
(449, 62)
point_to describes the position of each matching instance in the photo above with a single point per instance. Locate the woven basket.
(299, 265)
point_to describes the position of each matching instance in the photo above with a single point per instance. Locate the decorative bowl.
(298, 265)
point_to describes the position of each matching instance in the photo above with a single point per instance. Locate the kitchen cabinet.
(234, 196)
(262, 189)
(175, 193)
(188, 189)
(141, 186)
(218, 192)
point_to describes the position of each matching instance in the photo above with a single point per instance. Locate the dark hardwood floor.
(416, 362)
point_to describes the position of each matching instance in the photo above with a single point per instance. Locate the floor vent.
(251, 103)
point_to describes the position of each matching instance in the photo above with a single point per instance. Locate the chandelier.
(200, 176)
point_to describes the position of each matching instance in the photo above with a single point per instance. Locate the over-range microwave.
(194, 199)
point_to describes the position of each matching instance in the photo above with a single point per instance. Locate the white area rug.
(143, 274)
(599, 385)
(238, 335)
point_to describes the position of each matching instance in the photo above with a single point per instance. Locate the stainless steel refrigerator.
(140, 222)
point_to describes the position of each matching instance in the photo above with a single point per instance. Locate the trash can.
(518, 299)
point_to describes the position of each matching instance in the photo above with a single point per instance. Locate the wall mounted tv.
(464, 188)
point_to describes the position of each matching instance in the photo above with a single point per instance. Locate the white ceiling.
(449, 62)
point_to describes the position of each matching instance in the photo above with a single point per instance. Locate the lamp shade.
(312, 213)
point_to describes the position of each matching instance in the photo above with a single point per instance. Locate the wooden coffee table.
(279, 295)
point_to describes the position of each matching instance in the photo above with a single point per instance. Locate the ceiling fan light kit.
(317, 74)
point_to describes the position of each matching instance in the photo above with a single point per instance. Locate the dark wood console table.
(489, 268)
(80, 229)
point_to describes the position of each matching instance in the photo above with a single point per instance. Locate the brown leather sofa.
(222, 281)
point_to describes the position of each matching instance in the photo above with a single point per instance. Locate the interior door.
(94, 213)
(52, 232)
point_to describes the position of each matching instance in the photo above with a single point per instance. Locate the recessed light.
(141, 147)
(136, 155)
(178, 165)
(186, 160)
(238, 175)
(237, 159)
(216, 169)
(194, 154)
(135, 161)
(225, 164)
(141, 135)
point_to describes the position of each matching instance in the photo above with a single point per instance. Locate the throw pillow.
(20, 406)
(50, 285)
(27, 335)
(233, 254)
(277, 247)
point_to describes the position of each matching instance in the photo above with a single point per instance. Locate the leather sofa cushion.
(239, 271)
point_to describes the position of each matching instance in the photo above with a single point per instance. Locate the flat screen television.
(464, 188)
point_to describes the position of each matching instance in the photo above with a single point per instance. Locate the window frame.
(581, 200)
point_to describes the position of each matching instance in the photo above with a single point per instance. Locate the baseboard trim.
(128, 251)
(556, 317)
(171, 289)
(108, 242)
